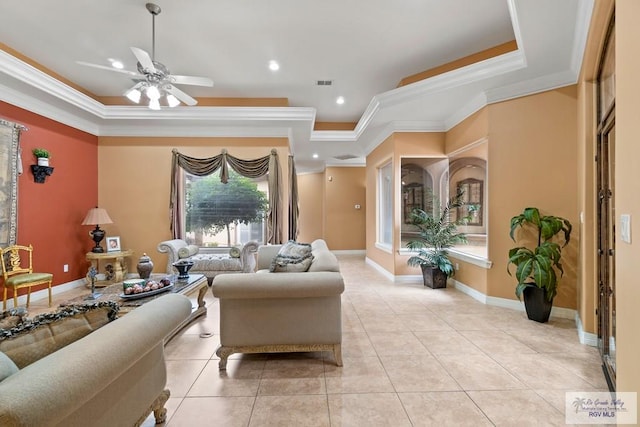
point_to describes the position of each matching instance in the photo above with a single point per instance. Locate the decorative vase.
(145, 266)
(43, 161)
(183, 267)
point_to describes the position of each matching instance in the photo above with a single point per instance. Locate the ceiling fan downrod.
(154, 10)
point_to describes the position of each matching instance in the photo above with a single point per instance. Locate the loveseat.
(210, 261)
(270, 312)
(113, 376)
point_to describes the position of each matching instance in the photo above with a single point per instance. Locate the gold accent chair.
(17, 274)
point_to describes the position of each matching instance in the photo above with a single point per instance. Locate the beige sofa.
(114, 376)
(266, 312)
(209, 261)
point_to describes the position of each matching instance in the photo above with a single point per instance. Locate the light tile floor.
(412, 356)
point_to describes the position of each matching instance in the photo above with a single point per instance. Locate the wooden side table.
(114, 271)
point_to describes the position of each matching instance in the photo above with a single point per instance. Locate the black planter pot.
(536, 304)
(433, 277)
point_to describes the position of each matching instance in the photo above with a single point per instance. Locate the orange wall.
(134, 183)
(344, 227)
(311, 204)
(49, 214)
(532, 162)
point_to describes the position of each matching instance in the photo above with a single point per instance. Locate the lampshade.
(97, 216)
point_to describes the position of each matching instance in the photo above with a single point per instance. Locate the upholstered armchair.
(210, 261)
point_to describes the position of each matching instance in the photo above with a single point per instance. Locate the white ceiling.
(365, 46)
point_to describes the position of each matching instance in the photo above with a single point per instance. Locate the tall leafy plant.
(539, 266)
(437, 233)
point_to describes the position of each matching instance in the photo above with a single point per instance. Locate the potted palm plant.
(539, 269)
(437, 233)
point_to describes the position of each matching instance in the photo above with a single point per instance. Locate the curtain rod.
(14, 124)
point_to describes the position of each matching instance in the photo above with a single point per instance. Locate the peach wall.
(532, 162)
(134, 183)
(311, 205)
(50, 214)
(472, 129)
(627, 176)
(344, 225)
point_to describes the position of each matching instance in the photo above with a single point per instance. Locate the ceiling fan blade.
(144, 59)
(192, 80)
(181, 96)
(104, 67)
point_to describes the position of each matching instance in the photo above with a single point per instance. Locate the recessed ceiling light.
(117, 64)
(315, 155)
(340, 100)
(273, 65)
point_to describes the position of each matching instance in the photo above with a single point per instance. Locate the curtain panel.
(267, 165)
(294, 211)
(10, 168)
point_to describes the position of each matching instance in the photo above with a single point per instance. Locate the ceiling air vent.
(324, 82)
(345, 157)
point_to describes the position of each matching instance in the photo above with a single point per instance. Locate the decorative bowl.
(130, 283)
(183, 267)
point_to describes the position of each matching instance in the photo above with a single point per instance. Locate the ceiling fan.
(153, 79)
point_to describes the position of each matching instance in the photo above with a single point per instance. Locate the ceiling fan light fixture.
(154, 104)
(134, 95)
(172, 101)
(153, 93)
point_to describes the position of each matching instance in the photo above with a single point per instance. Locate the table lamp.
(97, 216)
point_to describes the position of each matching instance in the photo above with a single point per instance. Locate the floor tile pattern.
(413, 356)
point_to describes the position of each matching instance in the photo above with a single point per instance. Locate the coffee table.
(195, 282)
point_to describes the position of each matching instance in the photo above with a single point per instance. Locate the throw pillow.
(46, 333)
(188, 251)
(7, 367)
(292, 257)
(234, 252)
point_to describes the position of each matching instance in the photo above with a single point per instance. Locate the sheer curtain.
(267, 165)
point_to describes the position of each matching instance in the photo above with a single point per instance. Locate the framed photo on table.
(113, 244)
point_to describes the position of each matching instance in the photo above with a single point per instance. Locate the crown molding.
(476, 103)
(403, 126)
(581, 33)
(46, 109)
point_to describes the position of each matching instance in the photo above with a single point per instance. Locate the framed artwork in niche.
(9, 164)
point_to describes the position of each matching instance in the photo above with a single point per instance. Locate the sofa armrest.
(277, 285)
(171, 248)
(60, 383)
(248, 258)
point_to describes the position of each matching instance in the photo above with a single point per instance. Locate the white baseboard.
(44, 293)
(587, 338)
(379, 269)
(560, 312)
(351, 252)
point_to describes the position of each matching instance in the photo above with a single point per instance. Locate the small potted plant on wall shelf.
(437, 233)
(538, 270)
(42, 155)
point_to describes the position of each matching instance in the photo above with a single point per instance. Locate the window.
(472, 200)
(385, 204)
(468, 172)
(218, 214)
